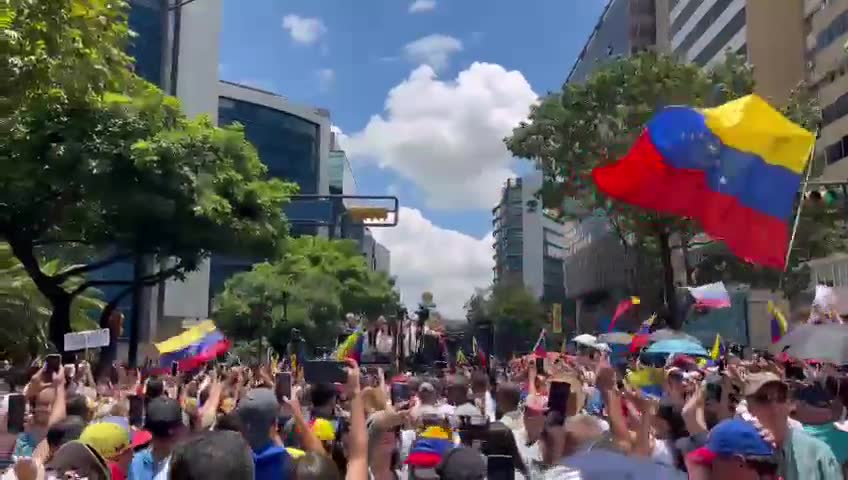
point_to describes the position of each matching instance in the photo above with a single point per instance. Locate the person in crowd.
(164, 421)
(258, 412)
(219, 455)
(803, 456)
(46, 397)
(736, 449)
(482, 395)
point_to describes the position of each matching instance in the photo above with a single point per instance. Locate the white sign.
(87, 339)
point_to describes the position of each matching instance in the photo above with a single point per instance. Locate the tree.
(310, 285)
(94, 156)
(594, 123)
(516, 314)
(25, 313)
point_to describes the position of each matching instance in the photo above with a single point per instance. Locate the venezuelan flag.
(192, 348)
(430, 447)
(778, 323)
(735, 168)
(351, 347)
(648, 380)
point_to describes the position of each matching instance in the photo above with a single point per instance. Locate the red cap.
(141, 438)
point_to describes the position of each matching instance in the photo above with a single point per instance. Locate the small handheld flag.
(778, 323)
(718, 348)
(540, 349)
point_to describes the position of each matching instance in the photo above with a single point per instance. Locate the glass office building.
(289, 146)
(147, 19)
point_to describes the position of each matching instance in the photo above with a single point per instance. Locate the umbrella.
(585, 339)
(599, 463)
(828, 342)
(616, 338)
(669, 334)
(678, 346)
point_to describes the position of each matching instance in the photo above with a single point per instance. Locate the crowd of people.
(559, 417)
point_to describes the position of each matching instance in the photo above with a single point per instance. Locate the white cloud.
(447, 136)
(303, 29)
(433, 50)
(428, 258)
(326, 77)
(419, 6)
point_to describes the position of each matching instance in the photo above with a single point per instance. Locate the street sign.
(87, 339)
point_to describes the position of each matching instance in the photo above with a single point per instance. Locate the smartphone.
(136, 413)
(175, 368)
(558, 397)
(713, 391)
(16, 413)
(540, 366)
(399, 393)
(282, 385)
(51, 365)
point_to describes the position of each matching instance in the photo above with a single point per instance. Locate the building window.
(836, 151)
(835, 110)
(832, 32)
(146, 20)
(722, 39)
(705, 22)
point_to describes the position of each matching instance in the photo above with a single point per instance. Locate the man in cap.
(164, 421)
(735, 449)
(112, 439)
(804, 457)
(258, 412)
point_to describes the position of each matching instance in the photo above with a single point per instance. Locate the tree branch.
(90, 267)
(145, 281)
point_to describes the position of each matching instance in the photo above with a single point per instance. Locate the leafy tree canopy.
(310, 285)
(93, 155)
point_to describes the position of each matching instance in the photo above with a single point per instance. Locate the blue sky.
(460, 73)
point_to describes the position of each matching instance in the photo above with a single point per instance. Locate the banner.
(87, 339)
(556, 318)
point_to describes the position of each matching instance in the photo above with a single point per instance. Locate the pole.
(135, 313)
(797, 215)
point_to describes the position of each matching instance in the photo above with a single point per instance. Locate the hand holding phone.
(282, 385)
(51, 366)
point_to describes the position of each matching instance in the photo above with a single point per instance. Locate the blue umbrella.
(685, 347)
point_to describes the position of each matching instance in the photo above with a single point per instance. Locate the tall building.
(294, 142)
(625, 27)
(528, 243)
(827, 26)
(703, 31)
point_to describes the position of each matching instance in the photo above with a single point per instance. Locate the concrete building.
(177, 50)
(528, 243)
(293, 141)
(625, 27)
(704, 31)
(827, 26)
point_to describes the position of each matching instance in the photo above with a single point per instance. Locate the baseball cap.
(258, 411)
(106, 438)
(323, 429)
(79, 457)
(163, 414)
(138, 438)
(733, 438)
(462, 462)
(755, 381)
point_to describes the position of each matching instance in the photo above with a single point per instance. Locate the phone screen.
(51, 365)
(136, 414)
(282, 385)
(175, 367)
(400, 393)
(540, 366)
(558, 397)
(17, 412)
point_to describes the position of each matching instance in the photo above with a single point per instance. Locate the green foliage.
(92, 155)
(515, 312)
(310, 286)
(25, 312)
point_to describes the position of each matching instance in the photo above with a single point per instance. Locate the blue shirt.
(143, 467)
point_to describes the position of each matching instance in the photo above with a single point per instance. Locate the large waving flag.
(194, 347)
(647, 379)
(735, 168)
(778, 323)
(711, 295)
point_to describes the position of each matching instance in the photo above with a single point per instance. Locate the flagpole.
(798, 212)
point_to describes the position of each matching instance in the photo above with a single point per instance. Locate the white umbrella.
(585, 339)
